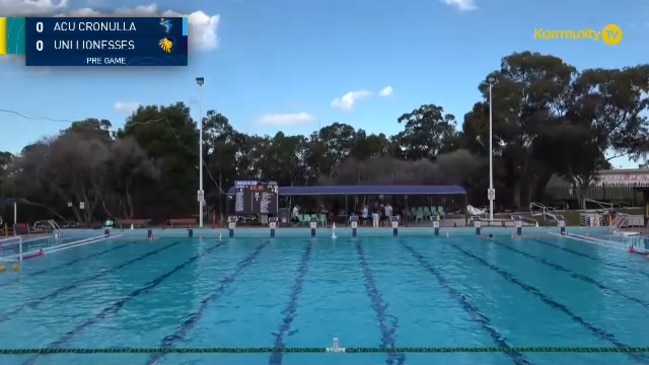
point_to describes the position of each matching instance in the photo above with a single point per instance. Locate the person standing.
(375, 217)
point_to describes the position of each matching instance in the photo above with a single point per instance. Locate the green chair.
(304, 219)
(322, 219)
(419, 217)
(413, 212)
(441, 212)
(426, 213)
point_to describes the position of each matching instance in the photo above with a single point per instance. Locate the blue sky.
(280, 64)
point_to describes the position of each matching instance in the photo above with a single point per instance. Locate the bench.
(183, 222)
(138, 223)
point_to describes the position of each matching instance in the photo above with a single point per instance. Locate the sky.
(294, 66)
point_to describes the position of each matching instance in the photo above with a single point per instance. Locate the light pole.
(201, 194)
(491, 192)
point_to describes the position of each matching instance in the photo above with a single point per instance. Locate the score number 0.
(39, 29)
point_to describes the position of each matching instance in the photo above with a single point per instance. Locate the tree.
(614, 103)
(575, 152)
(168, 135)
(427, 132)
(130, 174)
(528, 90)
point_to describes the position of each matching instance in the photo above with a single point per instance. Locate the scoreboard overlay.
(96, 41)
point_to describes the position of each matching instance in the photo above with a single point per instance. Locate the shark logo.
(166, 25)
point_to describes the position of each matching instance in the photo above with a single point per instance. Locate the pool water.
(372, 292)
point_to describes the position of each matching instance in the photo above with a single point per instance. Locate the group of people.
(378, 214)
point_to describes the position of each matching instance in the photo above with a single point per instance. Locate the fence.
(613, 194)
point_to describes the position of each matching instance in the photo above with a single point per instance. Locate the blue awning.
(368, 190)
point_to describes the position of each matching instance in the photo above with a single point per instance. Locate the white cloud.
(285, 120)
(462, 5)
(21, 8)
(386, 91)
(126, 107)
(203, 28)
(349, 100)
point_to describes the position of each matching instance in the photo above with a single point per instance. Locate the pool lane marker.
(35, 302)
(387, 322)
(499, 339)
(571, 273)
(116, 306)
(290, 311)
(171, 340)
(72, 262)
(590, 257)
(596, 331)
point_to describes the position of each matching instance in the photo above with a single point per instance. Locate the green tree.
(427, 132)
(168, 135)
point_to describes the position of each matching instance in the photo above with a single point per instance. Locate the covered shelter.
(378, 190)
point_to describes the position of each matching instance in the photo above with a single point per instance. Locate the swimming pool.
(374, 291)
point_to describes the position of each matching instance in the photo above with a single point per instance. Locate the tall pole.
(491, 193)
(201, 194)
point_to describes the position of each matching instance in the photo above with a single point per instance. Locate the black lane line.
(116, 306)
(590, 257)
(290, 311)
(170, 341)
(572, 274)
(476, 315)
(72, 262)
(35, 302)
(387, 322)
(596, 331)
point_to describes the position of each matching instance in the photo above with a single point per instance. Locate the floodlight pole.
(201, 194)
(491, 193)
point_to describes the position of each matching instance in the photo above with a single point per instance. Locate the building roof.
(368, 190)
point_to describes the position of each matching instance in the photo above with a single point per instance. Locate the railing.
(619, 222)
(525, 220)
(601, 204)
(543, 211)
(55, 226)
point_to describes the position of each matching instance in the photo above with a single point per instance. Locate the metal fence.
(614, 194)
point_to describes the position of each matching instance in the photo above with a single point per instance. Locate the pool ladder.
(56, 229)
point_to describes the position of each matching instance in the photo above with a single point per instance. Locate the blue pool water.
(407, 291)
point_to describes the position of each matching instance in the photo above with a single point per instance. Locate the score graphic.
(106, 41)
(255, 197)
